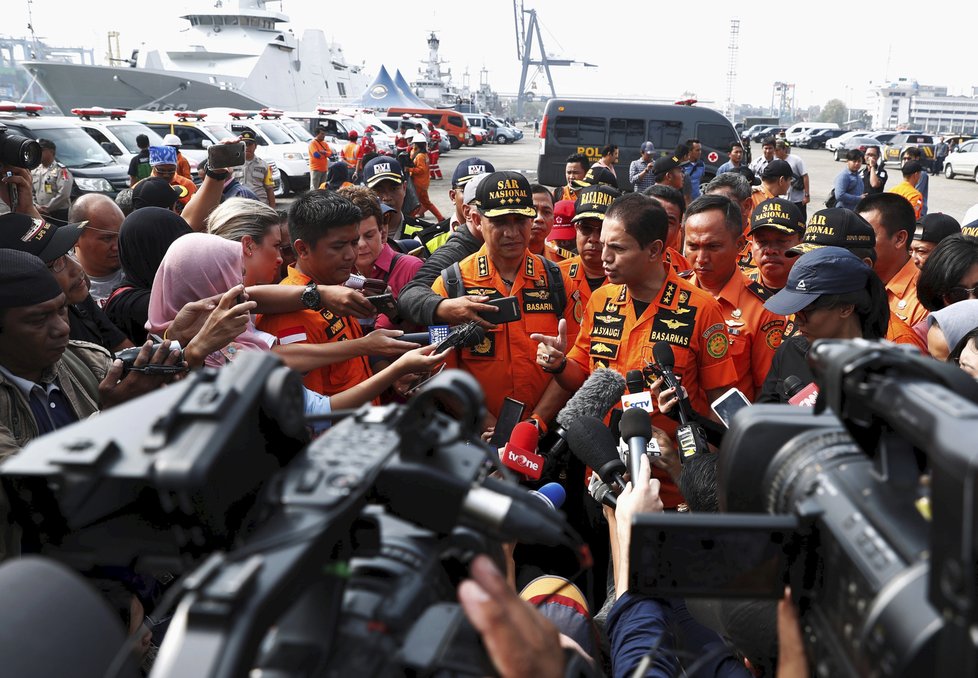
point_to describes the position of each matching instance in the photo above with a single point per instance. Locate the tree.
(834, 111)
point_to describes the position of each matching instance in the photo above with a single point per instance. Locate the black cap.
(777, 213)
(155, 192)
(25, 280)
(37, 236)
(835, 227)
(827, 270)
(776, 169)
(248, 136)
(665, 164)
(382, 168)
(468, 168)
(936, 226)
(502, 193)
(911, 167)
(593, 202)
(747, 173)
(597, 174)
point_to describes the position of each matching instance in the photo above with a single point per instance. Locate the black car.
(862, 143)
(818, 137)
(767, 132)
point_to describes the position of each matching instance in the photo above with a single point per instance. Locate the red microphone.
(520, 452)
(802, 396)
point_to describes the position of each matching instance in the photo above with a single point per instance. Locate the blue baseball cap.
(382, 168)
(162, 155)
(469, 168)
(648, 147)
(827, 270)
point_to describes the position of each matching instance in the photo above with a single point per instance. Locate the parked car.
(505, 134)
(893, 149)
(963, 162)
(816, 138)
(768, 132)
(749, 133)
(832, 144)
(477, 136)
(861, 143)
(882, 137)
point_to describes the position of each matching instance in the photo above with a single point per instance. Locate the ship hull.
(76, 86)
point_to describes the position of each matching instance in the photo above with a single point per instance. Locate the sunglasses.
(587, 230)
(956, 294)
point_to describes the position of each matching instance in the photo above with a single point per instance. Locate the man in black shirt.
(139, 167)
(874, 174)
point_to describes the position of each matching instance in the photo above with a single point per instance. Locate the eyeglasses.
(58, 264)
(956, 294)
(587, 230)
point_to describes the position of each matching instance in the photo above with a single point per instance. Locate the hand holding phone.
(223, 156)
(384, 303)
(508, 311)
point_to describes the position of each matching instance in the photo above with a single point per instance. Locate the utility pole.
(732, 51)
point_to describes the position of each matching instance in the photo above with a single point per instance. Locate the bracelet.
(558, 369)
(165, 333)
(540, 423)
(216, 175)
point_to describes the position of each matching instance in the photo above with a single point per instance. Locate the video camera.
(17, 150)
(869, 512)
(285, 567)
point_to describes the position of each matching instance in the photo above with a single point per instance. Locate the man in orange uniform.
(574, 170)
(672, 201)
(894, 223)
(504, 362)
(422, 178)
(645, 303)
(838, 227)
(163, 160)
(323, 227)
(776, 227)
(908, 187)
(714, 239)
(319, 152)
(350, 150)
(585, 271)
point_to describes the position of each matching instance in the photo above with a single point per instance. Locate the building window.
(342, 88)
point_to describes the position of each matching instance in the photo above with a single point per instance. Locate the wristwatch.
(311, 298)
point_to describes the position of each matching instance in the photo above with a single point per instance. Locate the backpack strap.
(453, 280)
(397, 255)
(555, 283)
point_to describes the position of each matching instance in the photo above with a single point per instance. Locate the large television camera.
(869, 512)
(336, 558)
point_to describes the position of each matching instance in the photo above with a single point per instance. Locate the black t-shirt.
(139, 165)
(789, 358)
(883, 176)
(128, 309)
(88, 322)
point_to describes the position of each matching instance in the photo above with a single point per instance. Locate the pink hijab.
(197, 266)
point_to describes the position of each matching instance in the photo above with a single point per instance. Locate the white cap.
(419, 138)
(172, 140)
(468, 195)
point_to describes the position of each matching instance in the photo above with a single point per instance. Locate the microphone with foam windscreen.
(636, 429)
(798, 393)
(595, 445)
(690, 435)
(600, 392)
(520, 452)
(553, 495)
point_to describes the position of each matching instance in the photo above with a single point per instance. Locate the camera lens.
(19, 151)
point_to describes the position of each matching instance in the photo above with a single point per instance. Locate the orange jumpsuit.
(422, 179)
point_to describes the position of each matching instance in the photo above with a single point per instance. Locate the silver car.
(963, 162)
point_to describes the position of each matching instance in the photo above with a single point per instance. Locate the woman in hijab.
(143, 240)
(200, 266)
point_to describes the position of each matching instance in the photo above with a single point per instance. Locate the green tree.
(834, 111)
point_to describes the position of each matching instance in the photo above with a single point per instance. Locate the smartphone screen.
(727, 405)
(710, 555)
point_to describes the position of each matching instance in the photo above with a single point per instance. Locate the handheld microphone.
(636, 429)
(637, 395)
(690, 435)
(600, 392)
(520, 452)
(592, 443)
(799, 394)
(552, 495)
(510, 513)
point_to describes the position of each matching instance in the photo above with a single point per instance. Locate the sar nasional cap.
(502, 193)
(835, 227)
(779, 214)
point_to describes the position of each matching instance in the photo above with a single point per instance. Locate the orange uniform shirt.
(902, 294)
(755, 332)
(350, 153)
(574, 269)
(420, 171)
(913, 196)
(183, 167)
(676, 260)
(760, 194)
(320, 164)
(505, 362)
(900, 332)
(319, 327)
(683, 316)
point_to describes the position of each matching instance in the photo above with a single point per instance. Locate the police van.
(584, 126)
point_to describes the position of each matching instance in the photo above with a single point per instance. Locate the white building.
(909, 105)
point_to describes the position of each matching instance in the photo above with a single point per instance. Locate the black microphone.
(792, 386)
(597, 395)
(635, 380)
(690, 434)
(636, 429)
(461, 336)
(509, 512)
(592, 442)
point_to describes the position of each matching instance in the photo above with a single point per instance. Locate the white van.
(800, 129)
(276, 144)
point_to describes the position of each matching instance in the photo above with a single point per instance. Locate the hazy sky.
(662, 49)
